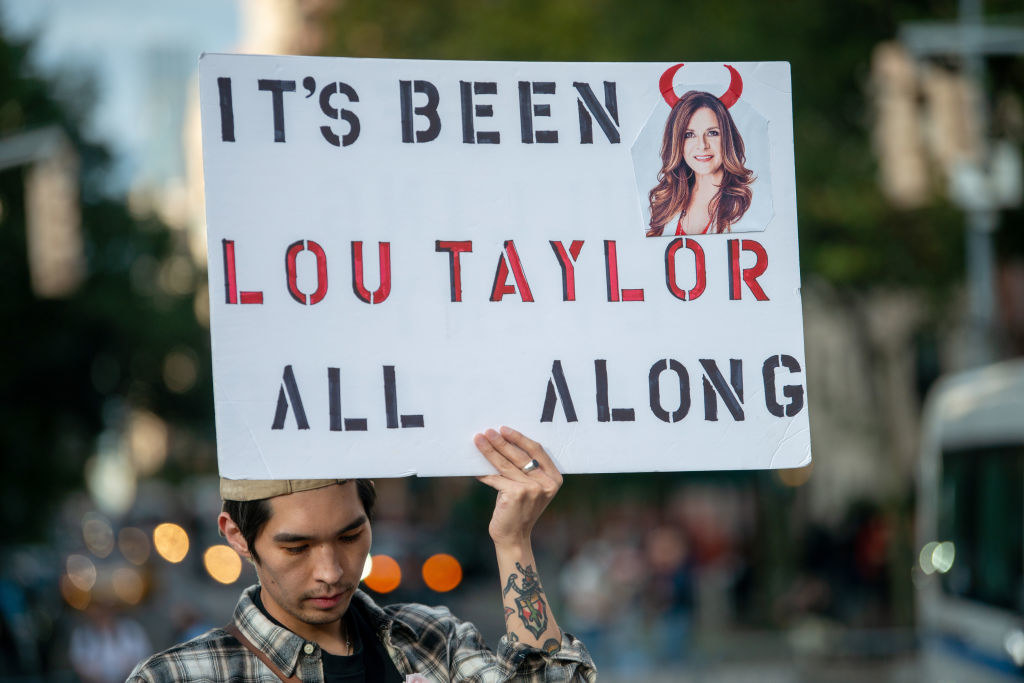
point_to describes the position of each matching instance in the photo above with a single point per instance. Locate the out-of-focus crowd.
(645, 580)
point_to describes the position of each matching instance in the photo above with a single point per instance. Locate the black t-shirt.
(368, 661)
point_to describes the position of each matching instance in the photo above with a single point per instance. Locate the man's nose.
(327, 565)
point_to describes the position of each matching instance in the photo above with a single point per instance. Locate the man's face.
(312, 552)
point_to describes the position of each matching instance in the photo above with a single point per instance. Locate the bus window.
(981, 510)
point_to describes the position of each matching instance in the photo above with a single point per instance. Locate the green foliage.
(849, 235)
(27, 99)
(71, 365)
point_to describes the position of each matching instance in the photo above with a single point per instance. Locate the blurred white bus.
(970, 566)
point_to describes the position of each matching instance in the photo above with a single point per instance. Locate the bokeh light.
(442, 572)
(796, 476)
(367, 568)
(97, 534)
(81, 572)
(147, 442)
(1014, 644)
(181, 368)
(72, 594)
(171, 542)
(128, 585)
(222, 563)
(201, 306)
(924, 558)
(943, 556)
(177, 276)
(385, 574)
(110, 476)
(134, 544)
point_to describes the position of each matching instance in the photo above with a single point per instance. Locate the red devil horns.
(665, 85)
(728, 98)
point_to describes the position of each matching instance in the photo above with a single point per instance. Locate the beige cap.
(258, 489)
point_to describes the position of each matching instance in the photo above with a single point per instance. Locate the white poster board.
(403, 253)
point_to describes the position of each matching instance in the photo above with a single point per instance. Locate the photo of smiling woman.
(703, 185)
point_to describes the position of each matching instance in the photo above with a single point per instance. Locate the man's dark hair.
(251, 515)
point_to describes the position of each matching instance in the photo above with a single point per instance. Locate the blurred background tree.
(849, 235)
(126, 338)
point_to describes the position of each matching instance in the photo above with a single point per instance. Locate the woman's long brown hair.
(673, 192)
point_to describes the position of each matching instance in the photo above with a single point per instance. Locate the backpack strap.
(234, 632)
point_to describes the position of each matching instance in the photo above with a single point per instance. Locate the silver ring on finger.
(531, 466)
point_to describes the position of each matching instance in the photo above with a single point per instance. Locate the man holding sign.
(307, 620)
(401, 250)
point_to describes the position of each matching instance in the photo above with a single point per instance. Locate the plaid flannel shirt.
(424, 641)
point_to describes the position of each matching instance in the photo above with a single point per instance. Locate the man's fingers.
(532, 489)
(510, 451)
(533, 451)
(518, 454)
(505, 465)
(496, 482)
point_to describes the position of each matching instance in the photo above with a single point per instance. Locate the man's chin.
(321, 618)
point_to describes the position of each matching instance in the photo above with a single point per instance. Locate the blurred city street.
(896, 555)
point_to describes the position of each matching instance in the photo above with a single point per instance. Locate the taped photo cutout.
(702, 160)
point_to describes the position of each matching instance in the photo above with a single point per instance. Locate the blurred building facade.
(55, 249)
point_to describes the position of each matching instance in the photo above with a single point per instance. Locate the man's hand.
(522, 496)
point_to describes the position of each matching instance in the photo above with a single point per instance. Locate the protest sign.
(403, 253)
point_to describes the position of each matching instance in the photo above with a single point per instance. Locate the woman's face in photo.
(702, 144)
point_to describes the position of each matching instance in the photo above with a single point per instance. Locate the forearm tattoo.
(529, 603)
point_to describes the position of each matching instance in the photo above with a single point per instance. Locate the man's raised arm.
(526, 481)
